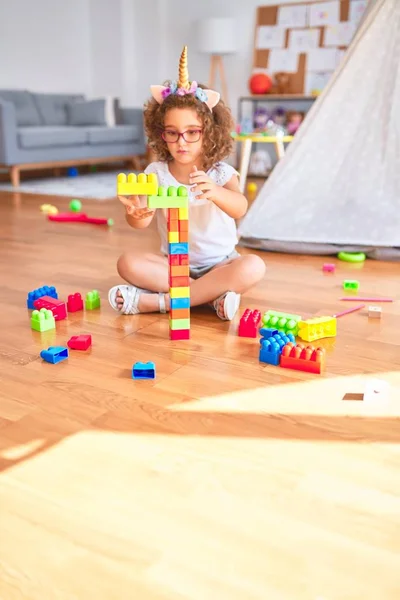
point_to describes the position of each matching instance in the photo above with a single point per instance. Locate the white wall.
(116, 47)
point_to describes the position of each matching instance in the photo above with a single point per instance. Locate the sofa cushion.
(89, 112)
(52, 108)
(45, 137)
(25, 107)
(120, 134)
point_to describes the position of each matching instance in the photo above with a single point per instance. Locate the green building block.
(282, 321)
(43, 320)
(171, 197)
(179, 324)
(92, 300)
(351, 284)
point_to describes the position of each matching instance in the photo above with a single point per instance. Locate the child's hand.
(136, 206)
(201, 182)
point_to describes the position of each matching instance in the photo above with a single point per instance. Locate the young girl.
(189, 128)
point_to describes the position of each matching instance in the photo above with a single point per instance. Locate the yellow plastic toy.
(137, 185)
(317, 328)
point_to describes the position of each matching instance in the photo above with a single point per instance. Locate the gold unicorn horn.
(183, 81)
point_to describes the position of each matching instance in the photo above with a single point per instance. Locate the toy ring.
(354, 257)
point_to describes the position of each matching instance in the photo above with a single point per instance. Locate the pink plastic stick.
(353, 299)
(77, 218)
(346, 312)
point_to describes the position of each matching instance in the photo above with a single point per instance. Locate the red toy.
(74, 302)
(302, 358)
(248, 325)
(79, 218)
(179, 334)
(260, 83)
(80, 342)
(57, 307)
(328, 268)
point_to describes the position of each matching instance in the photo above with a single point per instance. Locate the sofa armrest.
(8, 133)
(133, 116)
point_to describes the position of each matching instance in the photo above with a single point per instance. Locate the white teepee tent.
(338, 186)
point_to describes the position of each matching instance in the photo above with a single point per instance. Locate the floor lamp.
(217, 37)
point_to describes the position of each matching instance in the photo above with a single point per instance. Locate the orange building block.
(183, 225)
(183, 236)
(178, 271)
(173, 226)
(173, 214)
(303, 358)
(180, 313)
(179, 282)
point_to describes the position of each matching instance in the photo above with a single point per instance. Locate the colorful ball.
(75, 206)
(260, 83)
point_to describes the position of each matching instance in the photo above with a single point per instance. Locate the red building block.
(249, 322)
(74, 302)
(179, 334)
(57, 307)
(303, 358)
(183, 259)
(80, 342)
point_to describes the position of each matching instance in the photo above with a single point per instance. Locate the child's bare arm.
(137, 214)
(228, 197)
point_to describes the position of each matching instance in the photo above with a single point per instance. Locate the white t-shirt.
(212, 233)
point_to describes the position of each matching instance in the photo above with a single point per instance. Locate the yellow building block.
(173, 237)
(179, 292)
(183, 214)
(140, 185)
(317, 328)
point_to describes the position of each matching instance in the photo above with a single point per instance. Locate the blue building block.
(267, 332)
(179, 303)
(142, 370)
(54, 354)
(179, 248)
(39, 293)
(271, 347)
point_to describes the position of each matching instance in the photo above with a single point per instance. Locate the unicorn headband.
(183, 87)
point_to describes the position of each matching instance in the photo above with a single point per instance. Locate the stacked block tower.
(176, 202)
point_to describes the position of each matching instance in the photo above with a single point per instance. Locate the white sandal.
(231, 305)
(131, 295)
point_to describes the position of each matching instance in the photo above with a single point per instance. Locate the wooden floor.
(223, 479)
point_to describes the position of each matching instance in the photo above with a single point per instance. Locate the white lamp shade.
(216, 36)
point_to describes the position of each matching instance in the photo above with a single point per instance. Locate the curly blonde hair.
(217, 127)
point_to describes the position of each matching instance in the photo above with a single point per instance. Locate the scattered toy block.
(170, 197)
(180, 292)
(39, 293)
(351, 284)
(374, 312)
(328, 268)
(283, 321)
(303, 358)
(317, 328)
(271, 347)
(249, 322)
(179, 281)
(176, 324)
(92, 300)
(42, 320)
(54, 354)
(141, 370)
(179, 334)
(74, 302)
(137, 185)
(179, 303)
(179, 248)
(57, 307)
(80, 342)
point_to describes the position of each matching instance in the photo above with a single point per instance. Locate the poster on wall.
(340, 34)
(324, 13)
(270, 37)
(302, 40)
(356, 10)
(293, 16)
(283, 61)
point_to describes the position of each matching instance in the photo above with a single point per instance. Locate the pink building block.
(80, 342)
(249, 322)
(74, 302)
(328, 268)
(179, 334)
(57, 307)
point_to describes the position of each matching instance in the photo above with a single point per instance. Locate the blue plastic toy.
(142, 370)
(271, 347)
(54, 354)
(45, 290)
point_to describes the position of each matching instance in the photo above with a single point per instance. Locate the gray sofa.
(53, 130)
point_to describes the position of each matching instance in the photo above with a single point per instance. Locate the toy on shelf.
(249, 322)
(45, 290)
(374, 312)
(141, 370)
(80, 342)
(74, 302)
(317, 328)
(293, 121)
(92, 300)
(328, 268)
(80, 218)
(57, 307)
(283, 321)
(351, 284)
(271, 345)
(54, 354)
(260, 83)
(303, 358)
(42, 320)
